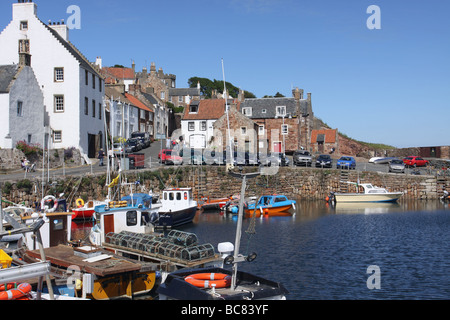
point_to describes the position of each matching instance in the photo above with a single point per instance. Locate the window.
(203, 126)
(171, 197)
(191, 126)
(93, 81)
(86, 77)
(29, 138)
(131, 218)
(264, 110)
(247, 112)
(59, 74)
(59, 103)
(86, 106)
(243, 130)
(261, 130)
(93, 108)
(193, 108)
(180, 99)
(285, 129)
(19, 108)
(24, 46)
(100, 111)
(24, 25)
(57, 136)
(100, 84)
(163, 95)
(281, 111)
(178, 195)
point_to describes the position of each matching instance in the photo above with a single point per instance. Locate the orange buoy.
(209, 280)
(12, 291)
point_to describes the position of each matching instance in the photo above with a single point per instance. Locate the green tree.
(207, 86)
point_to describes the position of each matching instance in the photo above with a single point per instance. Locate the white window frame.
(191, 126)
(247, 111)
(59, 74)
(24, 25)
(281, 111)
(261, 130)
(57, 136)
(19, 108)
(203, 126)
(58, 105)
(244, 131)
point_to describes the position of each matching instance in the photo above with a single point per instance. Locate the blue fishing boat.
(270, 205)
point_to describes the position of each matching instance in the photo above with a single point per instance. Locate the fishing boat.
(177, 208)
(206, 203)
(370, 194)
(270, 205)
(223, 283)
(133, 213)
(85, 211)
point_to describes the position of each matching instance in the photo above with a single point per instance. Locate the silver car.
(397, 166)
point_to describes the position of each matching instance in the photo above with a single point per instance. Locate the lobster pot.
(152, 246)
(182, 238)
(198, 252)
(170, 250)
(113, 238)
(138, 241)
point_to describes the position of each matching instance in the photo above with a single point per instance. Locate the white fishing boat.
(177, 207)
(370, 194)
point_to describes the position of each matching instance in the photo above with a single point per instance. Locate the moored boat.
(177, 207)
(222, 283)
(370, 194)
(270, 205)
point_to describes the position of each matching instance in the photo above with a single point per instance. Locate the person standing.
(101, 156)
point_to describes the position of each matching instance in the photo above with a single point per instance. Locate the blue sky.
(384, 86)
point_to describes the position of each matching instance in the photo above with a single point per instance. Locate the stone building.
(325, 141)
(284, 124)
(243, 130)
(21, 107)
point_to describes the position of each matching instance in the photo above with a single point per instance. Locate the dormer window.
(247, 112)
(193, 109)
(281, 111)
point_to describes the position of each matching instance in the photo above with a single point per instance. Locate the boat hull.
(376, 197)
(268, 211)
(82, 214)
(177, 218)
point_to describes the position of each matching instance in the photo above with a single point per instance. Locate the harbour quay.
(213, 182)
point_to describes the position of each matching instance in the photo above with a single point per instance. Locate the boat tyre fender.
(12, 291)
(80, 203)
(52, 198)
(209, 280)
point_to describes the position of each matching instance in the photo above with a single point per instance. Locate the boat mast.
(239, 257)
(229, 145)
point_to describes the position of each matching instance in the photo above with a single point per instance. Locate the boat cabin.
(271, 200)
(134, 213)
(174, 199)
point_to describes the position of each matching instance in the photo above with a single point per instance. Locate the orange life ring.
(208, 280)
(14, 292)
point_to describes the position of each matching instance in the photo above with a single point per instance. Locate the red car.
(167, 156)
(415, 162)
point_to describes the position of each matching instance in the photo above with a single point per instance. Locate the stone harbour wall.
(298, 183)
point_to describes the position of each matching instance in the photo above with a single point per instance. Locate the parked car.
(346, 162)
(144, 137)
(118, 149)
(397, 165)
(302, 158)
(415, 162)
(280, 159)
(324, 161)
(131, 146)
(172, 157)
(163, 154)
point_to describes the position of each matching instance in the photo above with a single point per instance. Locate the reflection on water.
(324, 251)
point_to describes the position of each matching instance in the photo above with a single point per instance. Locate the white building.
(73, 89)
(197, 123)
(21, 107)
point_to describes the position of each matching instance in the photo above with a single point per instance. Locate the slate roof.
(7, 75)
(270, 104)
(177, 92)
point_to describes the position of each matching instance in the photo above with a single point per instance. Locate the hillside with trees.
(207, 86)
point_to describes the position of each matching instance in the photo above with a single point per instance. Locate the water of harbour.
(324, 252)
